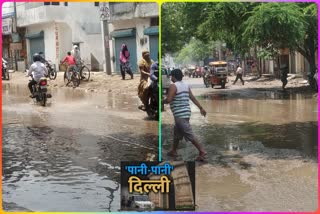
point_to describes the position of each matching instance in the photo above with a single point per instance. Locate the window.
(51, 3)
(96, 4)
(154, 21)
(66, 4)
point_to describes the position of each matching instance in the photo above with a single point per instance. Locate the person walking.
(124, 62)
(239, 73)
(284, 76)
(178, 97)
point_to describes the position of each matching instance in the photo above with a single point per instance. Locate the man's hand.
(203, 112)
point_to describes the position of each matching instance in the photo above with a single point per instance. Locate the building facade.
(137, 25)
(54, 27)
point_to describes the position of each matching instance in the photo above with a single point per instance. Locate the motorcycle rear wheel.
(7, 77)
(52, 74)
(43, 99)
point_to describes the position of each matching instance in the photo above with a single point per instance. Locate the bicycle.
(74, 78)
(84, 71)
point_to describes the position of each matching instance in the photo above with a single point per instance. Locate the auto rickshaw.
(219, 73)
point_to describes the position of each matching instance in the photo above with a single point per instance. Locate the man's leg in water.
(176, 139)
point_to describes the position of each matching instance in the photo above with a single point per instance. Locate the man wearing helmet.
(37, 70)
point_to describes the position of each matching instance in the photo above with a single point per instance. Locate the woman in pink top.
(124, 61)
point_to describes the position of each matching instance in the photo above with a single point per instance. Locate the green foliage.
(193, 52)
(274, 25)
(173, 35)
(242, 26)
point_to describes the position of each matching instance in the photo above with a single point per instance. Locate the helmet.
(36, 57)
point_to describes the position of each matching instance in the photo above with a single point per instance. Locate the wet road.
(262, 149)
(66, 156)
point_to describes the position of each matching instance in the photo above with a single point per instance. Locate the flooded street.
(262, 148)
(66, 156)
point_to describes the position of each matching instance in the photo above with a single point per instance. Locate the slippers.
(171, 154)
(202, 157)
(142, 108)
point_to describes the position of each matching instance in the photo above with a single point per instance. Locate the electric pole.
(105, 17)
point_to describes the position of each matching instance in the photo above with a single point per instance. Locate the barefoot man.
(178, 96)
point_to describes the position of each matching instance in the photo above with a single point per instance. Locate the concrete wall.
(126, 11)
(78, 23)
(65, 40)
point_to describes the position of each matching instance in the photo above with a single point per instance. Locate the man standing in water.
(178, 96)
(144, 67)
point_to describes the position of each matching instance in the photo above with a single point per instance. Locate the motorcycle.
(40, 91)
(152, 107)
(52, 73)
(5, 73)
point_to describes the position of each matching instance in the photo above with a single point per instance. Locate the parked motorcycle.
(5, 73)
(40, 91)
(152, 107)
(52, 72)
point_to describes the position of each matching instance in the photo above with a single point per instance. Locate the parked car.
(141, 202)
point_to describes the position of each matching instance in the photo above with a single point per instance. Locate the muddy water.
(66, 156)
(262, 150)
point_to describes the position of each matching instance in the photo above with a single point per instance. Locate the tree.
(309, 45)
(172, 33)
(242, 26)
(273, 26)
(194, 52)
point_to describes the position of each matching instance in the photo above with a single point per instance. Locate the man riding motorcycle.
(154, 67)
(37, 70)
(153, 94)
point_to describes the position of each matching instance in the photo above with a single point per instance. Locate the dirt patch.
(99, 82)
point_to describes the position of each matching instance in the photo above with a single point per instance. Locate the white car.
(141, 202)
